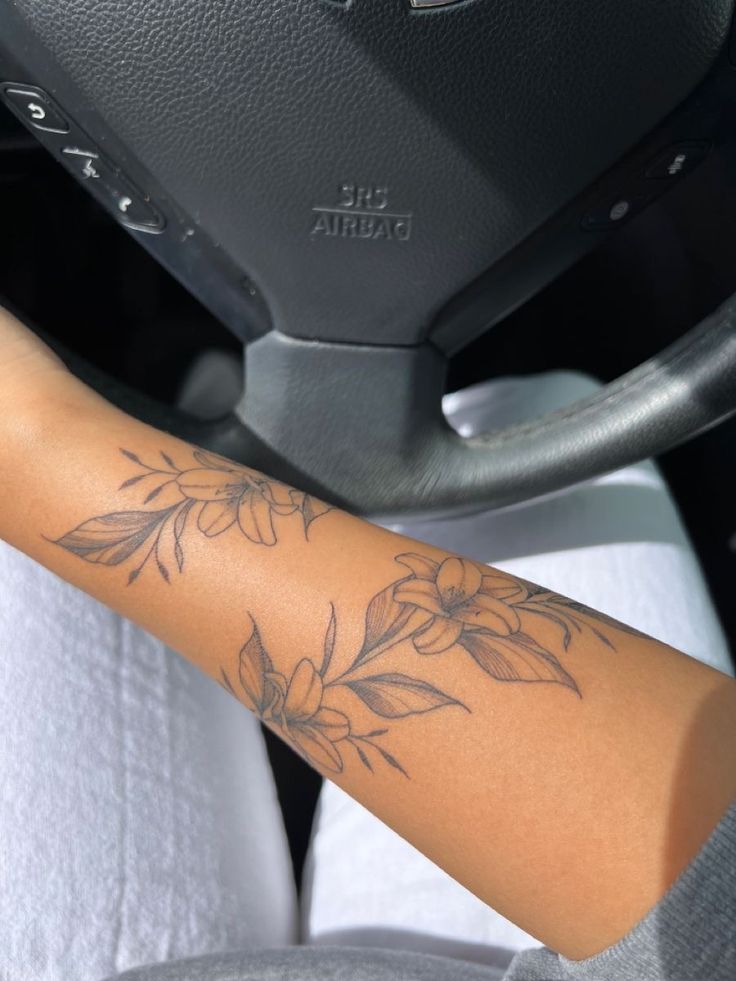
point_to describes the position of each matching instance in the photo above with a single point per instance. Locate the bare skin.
(561, 766)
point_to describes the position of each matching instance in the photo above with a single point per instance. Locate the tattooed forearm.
(336, 706)
(451, 608)
(212, 496)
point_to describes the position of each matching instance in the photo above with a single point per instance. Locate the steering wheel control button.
(620, 210)
(678, 160)
(136, 211)
(615, 211)
(112, 189)
(87, 161)
(33, 106)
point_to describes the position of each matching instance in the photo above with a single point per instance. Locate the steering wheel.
(359, 188)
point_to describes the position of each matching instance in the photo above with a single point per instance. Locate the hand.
(28, 367)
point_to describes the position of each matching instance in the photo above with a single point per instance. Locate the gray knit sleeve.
(689, 936)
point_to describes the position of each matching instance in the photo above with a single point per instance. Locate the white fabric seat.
(138, 814)
(616, 544)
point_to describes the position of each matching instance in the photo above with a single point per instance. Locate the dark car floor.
(74, 272)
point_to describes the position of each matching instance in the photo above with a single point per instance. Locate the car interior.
(286, 230)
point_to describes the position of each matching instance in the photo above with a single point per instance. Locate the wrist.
(28, 367)
(37, 410)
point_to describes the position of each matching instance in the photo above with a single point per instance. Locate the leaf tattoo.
(217, 493)
(394, 696)
(113, 538)
(385, 620)
(329, 645)
(515, 661)
(254, 672)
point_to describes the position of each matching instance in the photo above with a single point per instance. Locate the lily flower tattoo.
(214, 495)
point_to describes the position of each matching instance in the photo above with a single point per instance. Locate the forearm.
(562, 768)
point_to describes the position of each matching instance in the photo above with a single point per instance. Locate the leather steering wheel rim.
(666, 401)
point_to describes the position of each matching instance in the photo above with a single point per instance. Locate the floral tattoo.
(215, 495)
(453, 608)
(449, 608)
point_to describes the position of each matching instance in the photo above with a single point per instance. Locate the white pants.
(138, 817)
